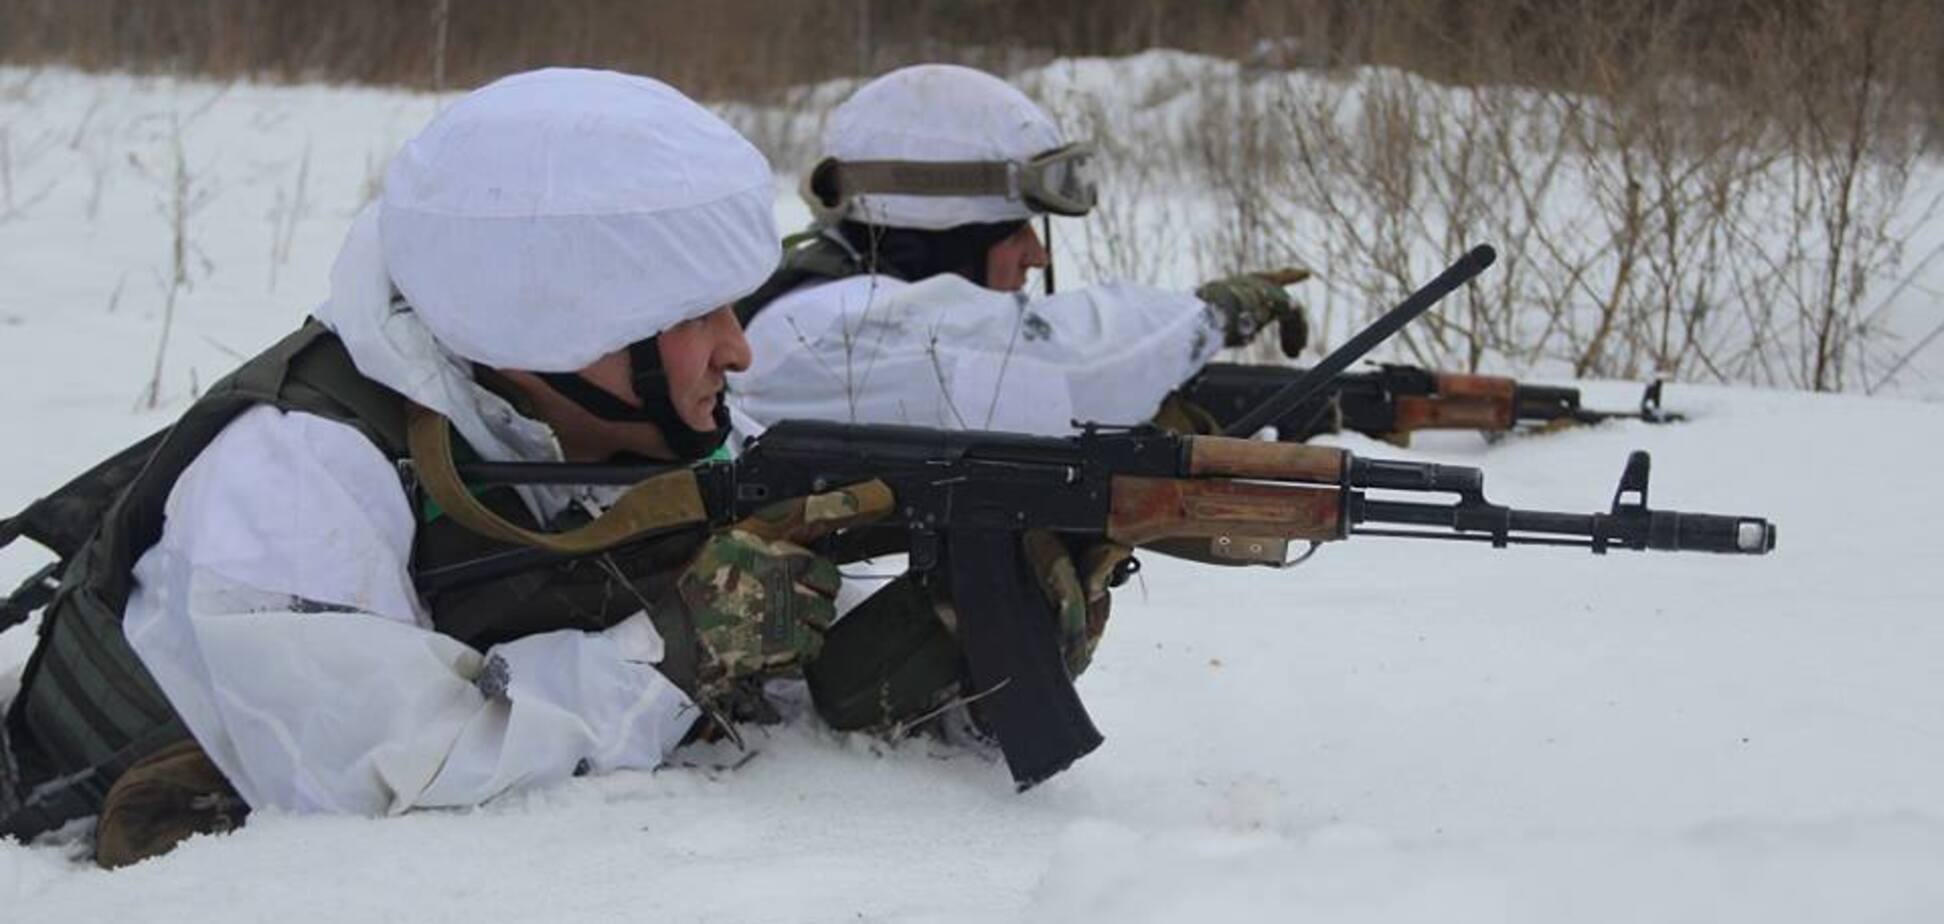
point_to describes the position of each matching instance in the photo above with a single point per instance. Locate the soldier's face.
(696, 355)
(1009, 260)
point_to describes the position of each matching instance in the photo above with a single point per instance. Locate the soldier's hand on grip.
(758, 606)
(759, 602)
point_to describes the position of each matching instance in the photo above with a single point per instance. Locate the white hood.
(538, 224)
(555, 216)
(391, 345)
(938, 112)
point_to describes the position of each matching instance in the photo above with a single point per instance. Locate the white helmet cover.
(938, 112)
(555, 216)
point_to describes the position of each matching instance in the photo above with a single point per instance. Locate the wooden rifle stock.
(1219, 456)
(1460, 402)
(1242, 520)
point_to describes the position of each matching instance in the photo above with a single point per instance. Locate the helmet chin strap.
(1046, 221)
(657, 405)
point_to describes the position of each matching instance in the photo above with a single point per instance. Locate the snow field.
(1394, 731)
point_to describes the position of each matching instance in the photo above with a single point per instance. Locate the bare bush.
(1701, 189)
(182, 197)
(18, 158)
(1127, 236)
(1650, 222)
(288, 210)
(1851, 165)
(743, 48)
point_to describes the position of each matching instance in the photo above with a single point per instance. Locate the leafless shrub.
(1703, 189)
(1651, 218)
(182, 197)
(441, 30)
(17, 160)
(6, 171)
(1127, 235)
(373, 181)
(114, 298)
(1852, 157)
(286, 212)
(99, 164)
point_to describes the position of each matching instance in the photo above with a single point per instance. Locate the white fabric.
(598, 208)
(391, 345)
(539, 223)
(938, 112)
(946, 353)
(277, 615)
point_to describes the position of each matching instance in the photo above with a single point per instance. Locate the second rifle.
(1391, 402)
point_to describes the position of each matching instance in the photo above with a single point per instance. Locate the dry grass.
(1746, 188)
(745, 48)
(1702, 189)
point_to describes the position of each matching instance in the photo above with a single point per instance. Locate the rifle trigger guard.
(1313, 546)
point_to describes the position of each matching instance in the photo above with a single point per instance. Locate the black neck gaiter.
(913, 255)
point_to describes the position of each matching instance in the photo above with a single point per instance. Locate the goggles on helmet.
(1056, 181)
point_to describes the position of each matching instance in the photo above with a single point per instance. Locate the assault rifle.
(962, 498)
(1393, 401)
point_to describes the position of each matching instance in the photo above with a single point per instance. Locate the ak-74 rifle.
(963, 497)
(1393, 401)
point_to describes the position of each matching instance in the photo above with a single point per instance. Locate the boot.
(161, 801)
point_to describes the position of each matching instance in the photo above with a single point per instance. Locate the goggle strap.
(921, 178)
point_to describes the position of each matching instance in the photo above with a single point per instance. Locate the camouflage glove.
(757, 606)
(1179, 415)
(758, 602)
(1248, 302)
(1078, 590)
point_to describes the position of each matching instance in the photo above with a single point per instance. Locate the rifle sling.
(667, 500)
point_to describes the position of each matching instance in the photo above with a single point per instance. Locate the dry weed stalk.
(1651, 220)
(1704, 189)
(285, 214)
(182, 198)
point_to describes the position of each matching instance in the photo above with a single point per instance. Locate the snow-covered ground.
(1394, 731)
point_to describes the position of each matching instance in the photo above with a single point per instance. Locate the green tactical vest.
(87, 709)
(818, 259)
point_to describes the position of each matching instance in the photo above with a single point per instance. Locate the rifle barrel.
(1638, 529)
